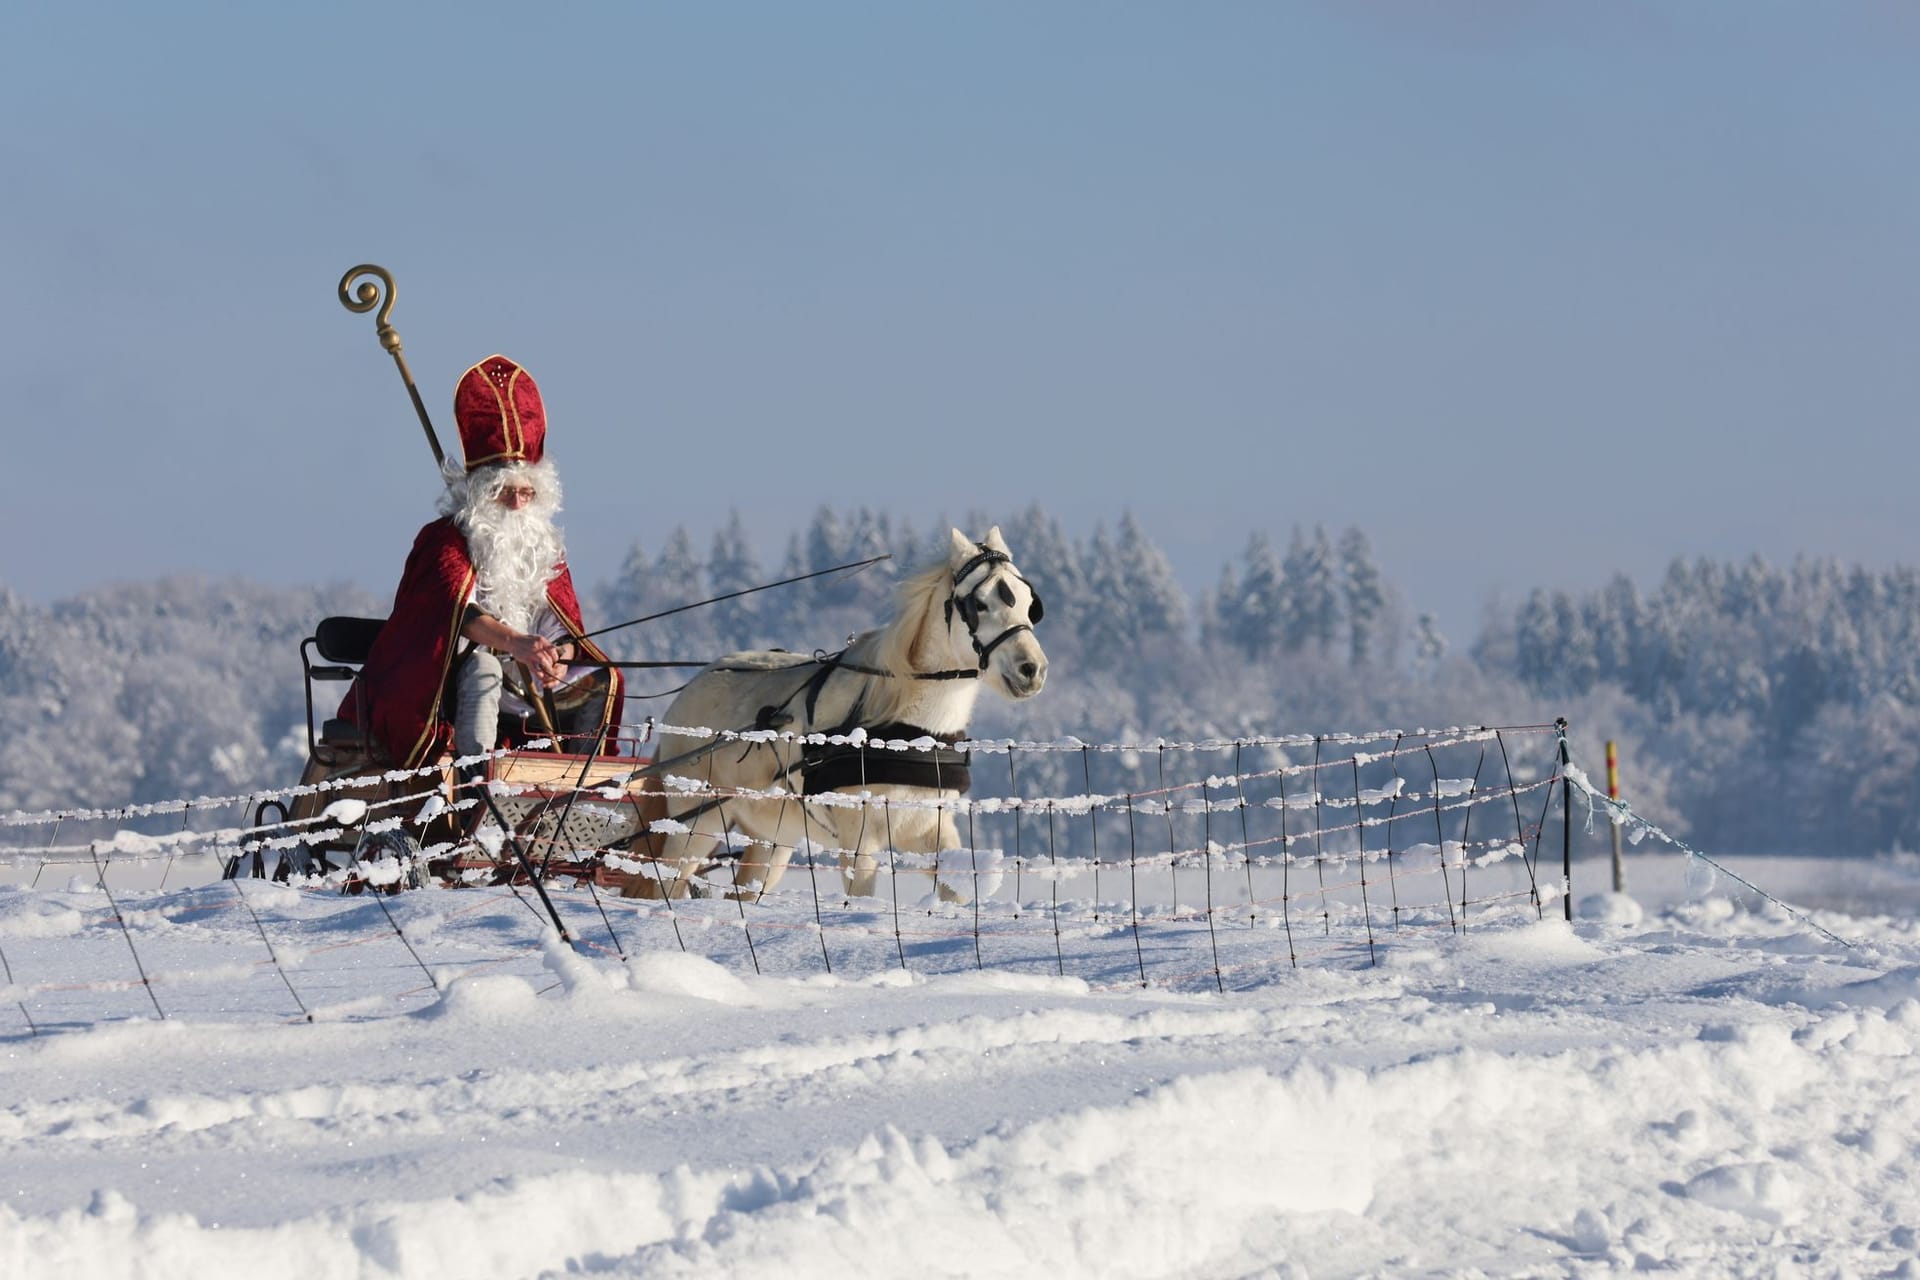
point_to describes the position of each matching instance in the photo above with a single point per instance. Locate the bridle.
(968, 605)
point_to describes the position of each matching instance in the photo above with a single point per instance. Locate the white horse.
(959, 625)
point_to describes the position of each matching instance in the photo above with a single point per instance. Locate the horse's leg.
(861, 835)
(785, 827)
(918, 842)
(647, 844)
(774, 825)
(759, 877)
(677, 856)
(763, 860)
(670, 875)
(932, 841)
(783, 837)
(947, 840)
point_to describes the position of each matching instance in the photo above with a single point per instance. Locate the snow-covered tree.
(1052, 564)
(1310, 612)
(733, 566)
(1106, 633)
(1253, 616)
(625, 597)
(1365, 594)
(1157, 605)
(1429, 646)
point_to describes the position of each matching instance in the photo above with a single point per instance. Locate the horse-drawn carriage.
(759, 754)
(534, 809)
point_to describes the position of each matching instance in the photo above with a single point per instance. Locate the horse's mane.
(917, 597)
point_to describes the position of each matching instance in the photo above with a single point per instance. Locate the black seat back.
(343, 645)
(346, 640)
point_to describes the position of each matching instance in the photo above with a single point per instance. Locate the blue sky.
(1529, 292)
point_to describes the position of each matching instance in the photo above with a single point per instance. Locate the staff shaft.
(363, 300)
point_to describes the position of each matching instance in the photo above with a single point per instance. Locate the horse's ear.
(962, 549)
(994, 542)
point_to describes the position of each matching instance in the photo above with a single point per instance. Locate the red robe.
(404, 679)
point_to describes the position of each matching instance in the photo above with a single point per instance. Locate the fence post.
(1566, 824)
(1613, 794)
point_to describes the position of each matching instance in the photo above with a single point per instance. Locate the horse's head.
(991, 611)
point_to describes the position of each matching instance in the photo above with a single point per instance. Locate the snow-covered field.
(1694, 1082)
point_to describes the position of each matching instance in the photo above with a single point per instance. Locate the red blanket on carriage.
(405, 678)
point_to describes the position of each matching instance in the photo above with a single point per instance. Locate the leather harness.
(830, 766)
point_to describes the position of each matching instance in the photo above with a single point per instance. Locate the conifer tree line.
(1759, 707)
(1107, 595)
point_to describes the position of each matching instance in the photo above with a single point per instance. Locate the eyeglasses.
(517, 492)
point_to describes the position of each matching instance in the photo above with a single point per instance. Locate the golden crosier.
(364, 299)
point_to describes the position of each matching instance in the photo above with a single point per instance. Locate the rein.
(775, 716)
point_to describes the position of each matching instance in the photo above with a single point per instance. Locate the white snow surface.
(1697, 1085)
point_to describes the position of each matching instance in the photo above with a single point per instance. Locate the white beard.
(515, 553)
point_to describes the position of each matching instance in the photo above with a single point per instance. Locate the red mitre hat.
(497, 408)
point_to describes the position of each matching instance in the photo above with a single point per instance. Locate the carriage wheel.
(379, 846)
(262, 827)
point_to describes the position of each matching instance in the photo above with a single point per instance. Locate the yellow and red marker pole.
(1613, 794)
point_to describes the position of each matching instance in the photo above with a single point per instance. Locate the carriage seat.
(342, 645)
(335, 732)
(347, 641)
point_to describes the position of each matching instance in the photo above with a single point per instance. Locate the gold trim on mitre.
(511, 430)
